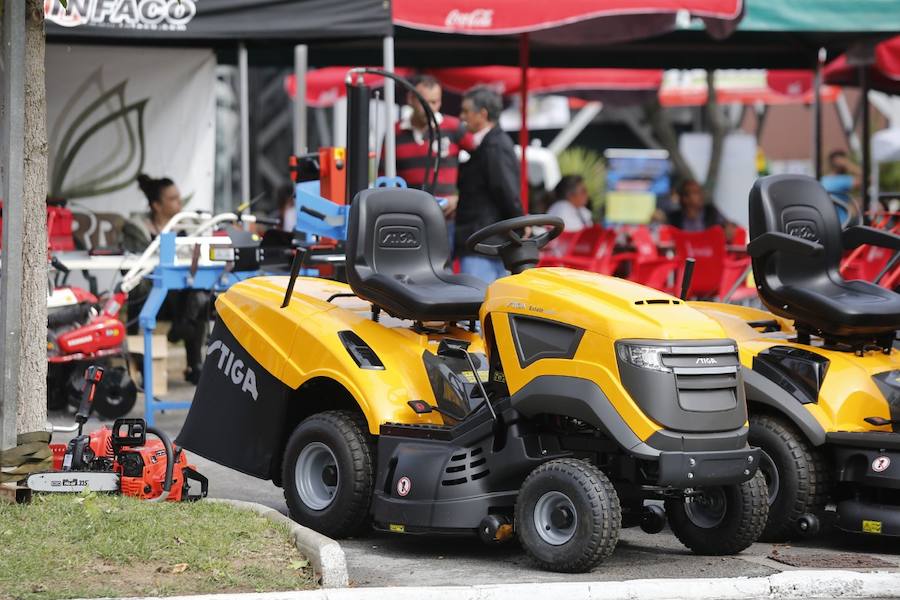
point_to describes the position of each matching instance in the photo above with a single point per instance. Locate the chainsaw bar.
(73, 481)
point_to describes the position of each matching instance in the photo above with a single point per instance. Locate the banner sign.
(114, 112)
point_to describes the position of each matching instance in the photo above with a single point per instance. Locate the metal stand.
(168, 276)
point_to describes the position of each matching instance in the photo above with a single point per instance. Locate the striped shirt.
(412, 154)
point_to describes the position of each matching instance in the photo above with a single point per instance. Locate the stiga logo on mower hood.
(398, 236)
(234, 368)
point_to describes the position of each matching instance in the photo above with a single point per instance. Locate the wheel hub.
(770, 472)
(706, 508)
(555, 518)
(316, 476)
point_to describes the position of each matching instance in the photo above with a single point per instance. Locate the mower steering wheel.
(518, 252)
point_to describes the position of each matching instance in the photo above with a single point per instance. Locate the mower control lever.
(459, 349)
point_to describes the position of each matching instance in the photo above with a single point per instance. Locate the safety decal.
(403, 486)
(881, 464)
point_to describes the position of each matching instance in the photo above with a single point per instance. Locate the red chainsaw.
(119, 459)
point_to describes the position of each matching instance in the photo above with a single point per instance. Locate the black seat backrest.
(796, 205)
(395, 232)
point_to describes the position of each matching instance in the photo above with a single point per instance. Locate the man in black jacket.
(488, 181)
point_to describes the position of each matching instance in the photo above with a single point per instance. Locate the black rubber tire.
(346, 435)
(746, 509)
(803, 476)
(596, 504)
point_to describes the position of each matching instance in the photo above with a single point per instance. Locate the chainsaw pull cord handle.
(170, 463)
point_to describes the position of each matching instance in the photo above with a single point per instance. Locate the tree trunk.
(717, 130)
(32, 376)
(668, 138)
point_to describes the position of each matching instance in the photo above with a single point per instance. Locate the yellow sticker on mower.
(396, 528)
(871, 526)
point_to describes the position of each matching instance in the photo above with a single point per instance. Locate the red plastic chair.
(648, 267)
(715, 273)
(592, 251)
(556, 250)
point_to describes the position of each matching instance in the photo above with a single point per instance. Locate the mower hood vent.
(657, 301)
(465, 466)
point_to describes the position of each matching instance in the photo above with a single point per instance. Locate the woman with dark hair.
(571, 203)
(164, 201)
(186, 309)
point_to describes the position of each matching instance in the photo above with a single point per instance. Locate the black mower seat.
(796, 244)
(398, 258)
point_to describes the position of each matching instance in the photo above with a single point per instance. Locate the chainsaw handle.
(170, 462)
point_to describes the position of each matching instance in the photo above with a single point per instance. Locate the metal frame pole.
(866, 135)
(817, 116)
(301, 66)
(244, 79)
(390, 139)
(12, 163)
(523, 130)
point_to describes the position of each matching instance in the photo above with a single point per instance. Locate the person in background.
(844, 176)
(693, 213)
(412, 145)
(488, 181)
(571, 203)
(285, 207)
(186, 309)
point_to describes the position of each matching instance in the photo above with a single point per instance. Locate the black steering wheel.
(517, 252)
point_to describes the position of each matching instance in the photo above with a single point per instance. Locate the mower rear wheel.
(799, 473)
(568, 516)
(328, 473)
(722, 520)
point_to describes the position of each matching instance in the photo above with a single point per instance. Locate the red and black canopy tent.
(868, 67)
(580, 25)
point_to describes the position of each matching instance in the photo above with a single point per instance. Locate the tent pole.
(301, 65)
(390, 141)
(817, 116)
(866, 134)
(12, 161)
(523, 130)
(244, 78)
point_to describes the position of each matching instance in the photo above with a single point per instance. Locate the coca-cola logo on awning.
(480, 18)
(161, 15)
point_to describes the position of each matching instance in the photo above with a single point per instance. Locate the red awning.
(326, 86)
(508, 80)
(504, 17)
(884, 75)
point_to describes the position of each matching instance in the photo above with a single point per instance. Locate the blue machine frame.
(169, 276)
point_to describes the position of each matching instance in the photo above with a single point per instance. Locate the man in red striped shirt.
(412, 145)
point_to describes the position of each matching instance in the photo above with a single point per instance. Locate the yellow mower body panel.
(848, 394)
(299, 343)
(607, 309)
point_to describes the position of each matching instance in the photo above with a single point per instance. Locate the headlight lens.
(644, 357)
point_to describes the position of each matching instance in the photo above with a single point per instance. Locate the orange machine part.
(333, 174)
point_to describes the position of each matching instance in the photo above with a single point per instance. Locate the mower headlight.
(643, 357)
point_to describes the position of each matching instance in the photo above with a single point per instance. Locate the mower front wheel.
(722, 520)
(568, 516)
(328, 473)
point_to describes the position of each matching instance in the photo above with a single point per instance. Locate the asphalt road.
(396, 560)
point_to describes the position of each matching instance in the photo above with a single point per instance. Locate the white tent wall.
(113, 112)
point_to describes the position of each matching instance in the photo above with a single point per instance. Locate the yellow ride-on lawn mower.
(821, 375)
(380, 403)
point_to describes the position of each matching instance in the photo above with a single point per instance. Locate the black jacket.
(488, 187)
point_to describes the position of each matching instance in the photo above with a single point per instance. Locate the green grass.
(65, 546)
